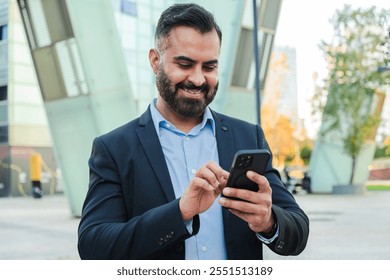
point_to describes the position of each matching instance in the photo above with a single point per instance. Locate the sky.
(302, 25)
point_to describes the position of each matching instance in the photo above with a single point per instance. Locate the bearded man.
(156, 182)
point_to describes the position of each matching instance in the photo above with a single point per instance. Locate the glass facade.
(136, 22)
(22, 105)
(23, 121)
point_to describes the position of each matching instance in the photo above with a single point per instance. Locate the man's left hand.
(254, 207)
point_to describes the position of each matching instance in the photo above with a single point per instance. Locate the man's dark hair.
(191, 15)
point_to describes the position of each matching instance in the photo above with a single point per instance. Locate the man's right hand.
(204, 188)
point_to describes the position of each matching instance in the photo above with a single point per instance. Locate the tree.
(354, 56)
(383, 149)
(306, 154)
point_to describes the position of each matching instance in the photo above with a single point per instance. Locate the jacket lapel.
(224, 141)
(149, 140)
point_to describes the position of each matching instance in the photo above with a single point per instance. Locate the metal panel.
(38, 22)
(51, 81)
(73, 128)
(268, 17)
(330, 166)
(57, 18)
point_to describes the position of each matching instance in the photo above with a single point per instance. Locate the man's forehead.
(182, 31)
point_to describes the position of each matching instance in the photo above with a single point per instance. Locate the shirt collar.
(159, 120)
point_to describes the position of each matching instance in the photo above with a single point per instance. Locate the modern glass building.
(72, 70)
(23, 122)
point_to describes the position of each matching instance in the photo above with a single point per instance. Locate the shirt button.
(187, 138)
(204, 248)
(193, 170)
(168, 125)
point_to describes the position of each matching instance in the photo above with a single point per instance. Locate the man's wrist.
(271, 232)
(185, 215)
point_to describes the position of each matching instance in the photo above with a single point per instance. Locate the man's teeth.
(193, 91)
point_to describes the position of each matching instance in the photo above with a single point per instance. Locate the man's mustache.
(191, 86)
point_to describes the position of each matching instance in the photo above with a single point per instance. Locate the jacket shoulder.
(225, 119)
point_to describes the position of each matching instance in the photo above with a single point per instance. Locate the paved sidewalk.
(342, 227)
(345, 227)
(37, 229)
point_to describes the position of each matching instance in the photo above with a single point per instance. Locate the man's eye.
(210, 67)
(185, 65)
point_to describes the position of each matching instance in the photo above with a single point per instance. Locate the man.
(156, 182)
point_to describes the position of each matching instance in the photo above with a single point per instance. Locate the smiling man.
(156, 182)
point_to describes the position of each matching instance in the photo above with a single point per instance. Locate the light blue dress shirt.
(184, 155)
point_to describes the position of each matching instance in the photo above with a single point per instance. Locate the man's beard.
(185, 107)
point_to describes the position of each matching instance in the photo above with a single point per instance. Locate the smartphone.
(245, 160)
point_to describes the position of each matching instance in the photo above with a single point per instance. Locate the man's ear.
(154, 60)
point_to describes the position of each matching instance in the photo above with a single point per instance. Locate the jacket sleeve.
(107, 231)
(293, 231)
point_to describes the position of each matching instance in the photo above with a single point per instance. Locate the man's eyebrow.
(214, 61)
(185, 58)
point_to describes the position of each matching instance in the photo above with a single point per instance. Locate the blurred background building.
(83, 70)
(23, 122)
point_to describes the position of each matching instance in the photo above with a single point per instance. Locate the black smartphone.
(245, 160)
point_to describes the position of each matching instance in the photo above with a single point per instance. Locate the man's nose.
(197, 77)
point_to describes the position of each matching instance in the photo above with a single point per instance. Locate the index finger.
(219, 172)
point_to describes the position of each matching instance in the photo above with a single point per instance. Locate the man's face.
(187, 71)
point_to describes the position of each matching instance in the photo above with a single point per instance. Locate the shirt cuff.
(189, 227)
(268, 240)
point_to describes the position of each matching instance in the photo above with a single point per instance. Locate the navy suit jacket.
(130, 210)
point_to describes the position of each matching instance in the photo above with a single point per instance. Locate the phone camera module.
(244, 161)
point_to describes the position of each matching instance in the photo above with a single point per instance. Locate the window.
(244, 58)
(3, 134)
(3, 93)
(129, 7)
(72, 71)
(244, 72)
(3, 32)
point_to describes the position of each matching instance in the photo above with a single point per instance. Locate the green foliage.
(289, 159)
(354, 56)
(383, 149)
(306, 154)
(380, 152)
